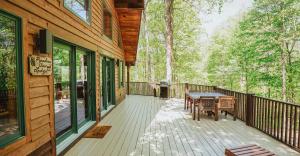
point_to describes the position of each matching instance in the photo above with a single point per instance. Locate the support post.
(249, 109)
(128, 79)
(215, 88)
(185, 96)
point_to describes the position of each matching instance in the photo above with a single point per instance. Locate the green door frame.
(4, 141)
(91, 89)
(108, 64)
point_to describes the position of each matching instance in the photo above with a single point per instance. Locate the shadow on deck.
(144, 125)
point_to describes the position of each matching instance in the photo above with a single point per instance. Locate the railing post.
(186, 89)
(215, 88)
(128, 79)
(249, 109)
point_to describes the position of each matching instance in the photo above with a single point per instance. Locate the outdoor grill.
(164, 89)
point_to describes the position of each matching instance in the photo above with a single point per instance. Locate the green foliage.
(251, 56)
(269, 32)
(7, 53)
(186, 47)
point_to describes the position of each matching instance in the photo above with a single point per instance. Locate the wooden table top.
(198, 95)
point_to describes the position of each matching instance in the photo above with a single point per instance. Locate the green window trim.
(89, 20)
(92, 77)
(20, 76)
(121, 74)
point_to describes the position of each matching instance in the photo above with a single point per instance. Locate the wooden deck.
(144, 125)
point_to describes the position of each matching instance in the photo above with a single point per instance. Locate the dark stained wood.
(136, 4)
(247, 151)
(129, 21)
(249, 107)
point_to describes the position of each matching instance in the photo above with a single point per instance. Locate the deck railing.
(7, 100)
(277, 119)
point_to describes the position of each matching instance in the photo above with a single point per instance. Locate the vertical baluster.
(290, 124)
(242, 106)
(272, 118)
(276, 117)
(286, 124)
(282, 121)
(263, 114)
(260, 113)
(298, 112)
(278, 120)
(295, 126)
(254, 112)
(268, 116)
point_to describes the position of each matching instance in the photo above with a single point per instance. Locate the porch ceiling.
(130, 14)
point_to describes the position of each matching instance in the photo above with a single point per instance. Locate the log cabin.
(62, 69)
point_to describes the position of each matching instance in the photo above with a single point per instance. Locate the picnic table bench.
(248, 150)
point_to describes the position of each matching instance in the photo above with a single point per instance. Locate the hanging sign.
(40, 65)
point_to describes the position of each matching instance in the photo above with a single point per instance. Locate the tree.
(169, 37)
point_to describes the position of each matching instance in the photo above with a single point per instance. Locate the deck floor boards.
(144, 125)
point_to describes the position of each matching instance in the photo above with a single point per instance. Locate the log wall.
(38, 90)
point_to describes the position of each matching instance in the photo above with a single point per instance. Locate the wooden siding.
(52, 15)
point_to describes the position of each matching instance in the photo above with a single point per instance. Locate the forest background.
(257, 51)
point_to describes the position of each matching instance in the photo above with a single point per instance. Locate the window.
(11, 82)
(79, 7)
(73, 88)
(120, 43)
(107, 23)
(121, 74)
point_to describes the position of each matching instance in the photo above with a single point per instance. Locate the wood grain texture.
(144, 125)
(38, 90)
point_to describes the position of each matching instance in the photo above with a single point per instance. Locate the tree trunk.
(283, 74)
(169, 38)
(148, 55)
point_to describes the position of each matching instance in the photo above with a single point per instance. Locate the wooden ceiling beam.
(129, 21)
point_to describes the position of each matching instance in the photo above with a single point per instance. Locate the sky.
(233, 8)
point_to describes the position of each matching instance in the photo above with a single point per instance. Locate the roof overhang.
(130, 15)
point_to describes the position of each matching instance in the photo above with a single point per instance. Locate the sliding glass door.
(108, 83)
(62, 88)
(73, 87)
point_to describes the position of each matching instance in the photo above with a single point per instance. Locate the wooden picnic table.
(195, 97)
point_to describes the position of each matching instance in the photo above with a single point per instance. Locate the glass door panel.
(107, 83)
(104, 85)
(62, 88)
(82, 85)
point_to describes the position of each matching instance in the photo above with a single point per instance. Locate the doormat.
(97, 132)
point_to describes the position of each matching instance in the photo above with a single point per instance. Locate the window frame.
(19, 83)
(89, 21)
(121, 70)
(75, 126)
(106, 10)
(120, 40)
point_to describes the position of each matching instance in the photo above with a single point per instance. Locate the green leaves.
(267, 32)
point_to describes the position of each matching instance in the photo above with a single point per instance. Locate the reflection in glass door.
(108, 83)
(62, 88)
(73, 88)
(82, 85)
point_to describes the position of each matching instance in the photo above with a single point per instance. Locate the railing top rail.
(199, 85)
(232, 91)
(288, 103)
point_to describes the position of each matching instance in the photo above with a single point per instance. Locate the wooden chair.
(188, 103)
(227, 104)
(205, 104)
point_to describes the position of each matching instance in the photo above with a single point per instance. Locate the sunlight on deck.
(144, 125)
